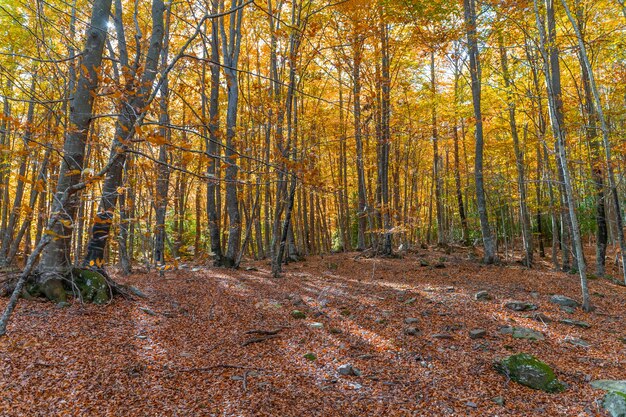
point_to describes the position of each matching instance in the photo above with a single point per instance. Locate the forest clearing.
(312, 207)
(185, 349)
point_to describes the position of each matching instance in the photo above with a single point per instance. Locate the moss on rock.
(92, 285)
(529, 371)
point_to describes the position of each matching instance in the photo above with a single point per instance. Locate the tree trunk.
(55, 258)
(475, 73)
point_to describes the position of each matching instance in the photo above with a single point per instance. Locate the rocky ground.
(338, 335)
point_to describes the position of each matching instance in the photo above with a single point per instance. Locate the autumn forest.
(350, 162)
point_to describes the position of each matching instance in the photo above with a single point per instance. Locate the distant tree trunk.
(385, 138)
(55, 258)
(519, 158)
(437, 160)
(38, 185)
(560, 149)
(457, 169)
(357, 48)
(162, 168)
(475, 73)
(231, 46)
(213, 144)
(605, 136)
(14, 217)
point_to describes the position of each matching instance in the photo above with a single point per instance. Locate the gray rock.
(610, 385)
(522, 333)
(63, 304)
(316, 325)
(445, 336)
(498, 400)
(576, 323)
(529, 371)
(471, 404)
(615, 404)
(614, 401)
(564, 301)
(577, 342)
(520, 306)
(348, 370)
(482, 296)
(411, 331)
(477, 333)
(411, 320)
(567, 309)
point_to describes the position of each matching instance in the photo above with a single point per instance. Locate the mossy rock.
(297, 314)
(529, 371)
(92, 285)
(614, 402)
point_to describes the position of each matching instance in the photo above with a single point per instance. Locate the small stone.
(423, 262)
(334, 330)
(576, 323)
(443, 336)
(564, 301)
(411, 331)
(297, 314)
(252, 269)
(348, 370)
(411, 320)
(316, 325)
(141, 336)
(522, 333)
(482, 296)
(62, 304)
(477, 333)
(365, 356)
(410, 300)
(577, 342)
(567, 309)
(520, 306)
(498, 400)
(380, 320)
(310, 356)
(471, 404)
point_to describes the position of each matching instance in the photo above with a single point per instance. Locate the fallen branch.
(265, 332)
(260, 339)
(220, 366)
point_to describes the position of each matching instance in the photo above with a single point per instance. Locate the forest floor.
(182, 350)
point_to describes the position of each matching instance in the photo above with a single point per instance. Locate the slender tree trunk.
(361, 190)
(519, 158)
(560, 142)
(605, 137)
(475, 73)
(231, 46)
